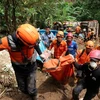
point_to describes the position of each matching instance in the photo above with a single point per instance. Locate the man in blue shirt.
(71, 44)
(47, 37)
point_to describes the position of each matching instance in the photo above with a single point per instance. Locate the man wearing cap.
(59, 45)
(47, 37)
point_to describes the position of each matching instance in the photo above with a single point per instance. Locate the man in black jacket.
(91, 77)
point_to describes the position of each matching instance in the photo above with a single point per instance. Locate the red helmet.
(95, 54)
(70, 35)
(27, 34)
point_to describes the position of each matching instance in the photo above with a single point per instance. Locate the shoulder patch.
(11, 43)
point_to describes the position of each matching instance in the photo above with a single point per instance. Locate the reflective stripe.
(16, 63)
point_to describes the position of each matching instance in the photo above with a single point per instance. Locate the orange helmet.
(27, 34)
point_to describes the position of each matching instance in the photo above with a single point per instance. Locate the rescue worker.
(89, 34)
(71, 44)
(47, 37)
(91, 77)
(83, 57)
(20, 46)
(92, 34)
(60, 46)
(77, 30)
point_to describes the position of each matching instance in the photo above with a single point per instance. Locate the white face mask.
(93, 65)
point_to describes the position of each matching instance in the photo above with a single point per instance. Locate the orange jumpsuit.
(58, 50)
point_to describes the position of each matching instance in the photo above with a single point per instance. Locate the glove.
(42, 58)
(72, 56)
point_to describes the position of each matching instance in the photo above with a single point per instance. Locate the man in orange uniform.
(20, 46)
(60, 46)
(83, 55)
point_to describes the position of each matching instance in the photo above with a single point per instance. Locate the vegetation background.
(44, 12)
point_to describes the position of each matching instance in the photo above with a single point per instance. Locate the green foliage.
(45, 12)
(89, 9)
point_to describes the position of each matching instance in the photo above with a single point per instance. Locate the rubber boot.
(34, 97)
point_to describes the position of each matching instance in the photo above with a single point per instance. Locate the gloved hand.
(45, 55)
(43, 59)
(72, 57)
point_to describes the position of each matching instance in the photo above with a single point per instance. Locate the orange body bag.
(61, 69)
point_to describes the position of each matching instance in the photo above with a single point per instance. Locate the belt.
(26, 63)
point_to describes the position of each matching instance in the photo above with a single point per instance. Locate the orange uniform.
(82, 57)
(16, 56)
(58, 50)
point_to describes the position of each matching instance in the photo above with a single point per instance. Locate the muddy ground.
(48, 88)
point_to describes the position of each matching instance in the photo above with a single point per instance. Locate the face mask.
(93, 65)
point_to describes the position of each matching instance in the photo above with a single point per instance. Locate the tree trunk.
(6, 13)
(13, 15)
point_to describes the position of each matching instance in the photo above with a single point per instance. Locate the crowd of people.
(79, 30)
(22, 43)
(86, 63)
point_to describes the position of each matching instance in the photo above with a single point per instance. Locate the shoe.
(81, 99)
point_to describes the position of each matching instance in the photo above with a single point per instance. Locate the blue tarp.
(42, 48)
(41, 31)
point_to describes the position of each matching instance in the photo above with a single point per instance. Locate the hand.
(72, 57)
(60, 57)
(43, 60)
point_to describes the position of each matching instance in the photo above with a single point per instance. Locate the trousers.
(26, 78)
(90, 93)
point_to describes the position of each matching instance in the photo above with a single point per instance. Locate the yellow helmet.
(60, 33)
(89, 44)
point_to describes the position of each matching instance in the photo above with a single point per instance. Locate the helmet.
(95, 54)
(60, 33)
(89, 44)
(70, 35)
(27, 34)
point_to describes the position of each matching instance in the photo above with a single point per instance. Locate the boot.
(34, 97)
